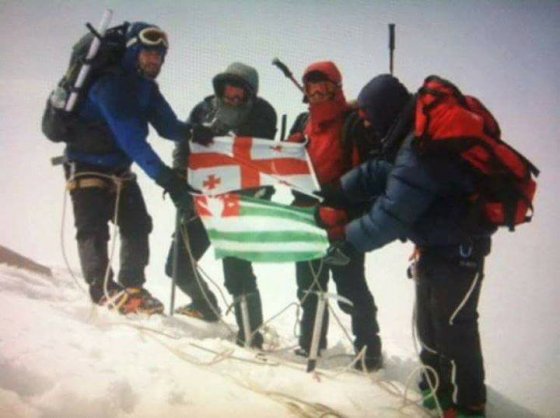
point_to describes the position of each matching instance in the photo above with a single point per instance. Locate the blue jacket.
(421, 198)
(126, 103)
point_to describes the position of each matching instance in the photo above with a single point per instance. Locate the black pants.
(447, 295)
(94, 208)
(239, 278)
(195, 287)
(351, 283)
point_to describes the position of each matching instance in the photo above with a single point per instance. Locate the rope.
(465, 299)
(118, 181)
(194, 263)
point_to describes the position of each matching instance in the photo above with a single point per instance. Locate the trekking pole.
(84, 70)
(391, 46)
(284, 68)
(175, 268)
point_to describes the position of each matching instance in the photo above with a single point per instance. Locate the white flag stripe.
(273, 150)
(288, 247)
(264, 224)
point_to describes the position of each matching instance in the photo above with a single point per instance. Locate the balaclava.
(240, 75)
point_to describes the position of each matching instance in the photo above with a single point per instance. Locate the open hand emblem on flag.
(259, 230)
(220, 206)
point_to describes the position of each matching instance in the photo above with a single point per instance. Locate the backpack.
(452, 123)
(60, 125)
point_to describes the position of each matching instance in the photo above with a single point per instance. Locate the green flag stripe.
(270, 257)
(275, 205)
(278, 214)
(266, 236)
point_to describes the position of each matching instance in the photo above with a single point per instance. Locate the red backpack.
(449, 122)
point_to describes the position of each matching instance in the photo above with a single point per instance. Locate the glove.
(333, 220)
(298, 137)
(178, 189)
(338, 254)
(328, 217)
(333, 195)
(202, 135)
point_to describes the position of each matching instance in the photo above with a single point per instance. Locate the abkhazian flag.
(259, 230)
(235, 163)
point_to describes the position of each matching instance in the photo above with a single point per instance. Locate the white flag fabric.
(235, 163)
(259, 230)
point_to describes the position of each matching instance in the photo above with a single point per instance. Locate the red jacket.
(324, 129)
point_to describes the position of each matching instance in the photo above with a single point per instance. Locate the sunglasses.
(150, 37)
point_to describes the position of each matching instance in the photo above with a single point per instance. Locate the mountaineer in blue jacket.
(424, 198)
(115, 116)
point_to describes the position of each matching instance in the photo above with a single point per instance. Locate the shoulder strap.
(300, 123)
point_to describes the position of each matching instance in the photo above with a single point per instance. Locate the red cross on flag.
(235, 163)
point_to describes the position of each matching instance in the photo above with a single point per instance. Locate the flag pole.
(175, 270)
(283, 128)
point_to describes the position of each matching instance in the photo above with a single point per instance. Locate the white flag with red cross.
(235, 163)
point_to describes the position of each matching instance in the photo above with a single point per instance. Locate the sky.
(504, 52)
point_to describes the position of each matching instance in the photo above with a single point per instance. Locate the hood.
(328, 68)
(382, 100)
(240, 73)
(331, 109)
(130, 58)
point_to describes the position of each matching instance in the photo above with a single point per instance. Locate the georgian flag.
(235, 163)
(259, 230)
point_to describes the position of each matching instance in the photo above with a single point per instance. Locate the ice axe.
(284, 68)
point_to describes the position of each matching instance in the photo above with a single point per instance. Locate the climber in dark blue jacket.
(424, 198)
(116, 113)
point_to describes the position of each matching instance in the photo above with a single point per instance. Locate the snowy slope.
(478, 45)
(61, 356)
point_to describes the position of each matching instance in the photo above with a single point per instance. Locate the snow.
(58, 357)
(61, 356)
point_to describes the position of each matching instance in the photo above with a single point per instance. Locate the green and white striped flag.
(259, 230)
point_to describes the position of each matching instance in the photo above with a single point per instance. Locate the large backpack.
(60, 125)
(448, 121)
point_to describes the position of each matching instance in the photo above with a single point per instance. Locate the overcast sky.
(504, 52)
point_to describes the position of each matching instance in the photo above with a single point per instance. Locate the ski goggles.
(320, 87)
(150, 37)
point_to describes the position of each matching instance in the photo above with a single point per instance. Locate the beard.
(150, 71)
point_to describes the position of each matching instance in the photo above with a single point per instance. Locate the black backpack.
(60, 125)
